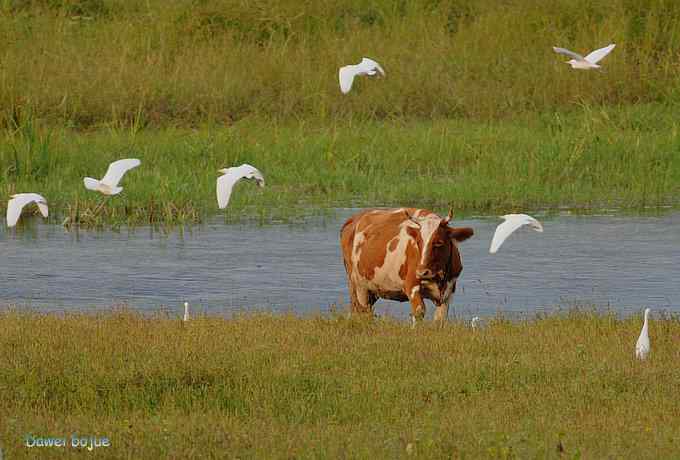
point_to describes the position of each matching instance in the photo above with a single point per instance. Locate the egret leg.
(101, 205)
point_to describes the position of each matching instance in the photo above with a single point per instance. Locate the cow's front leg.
(441, 313)
(417, 304)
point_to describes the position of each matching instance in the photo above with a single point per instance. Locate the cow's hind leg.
(362, 300)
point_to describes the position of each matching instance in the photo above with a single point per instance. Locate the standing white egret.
(365, 67)
(512, 223)
(232, 175)
(108, 185)
(186, 311)
(17, 203)
(584, 63)
(474, 322)
(642, 346)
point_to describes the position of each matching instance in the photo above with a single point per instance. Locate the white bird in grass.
(17, 203)
(512, 223)
(108, 185)
(589, 62)
(642, 346)
(186, 311)
(365, 67)
(474, 322)
(232, 175)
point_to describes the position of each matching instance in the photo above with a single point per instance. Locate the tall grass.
(627, 158)
(284, 387)
(152, 62)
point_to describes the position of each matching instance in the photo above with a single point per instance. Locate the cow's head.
(439, 256)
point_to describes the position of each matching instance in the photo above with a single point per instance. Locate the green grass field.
(626, 158)
(261, 386)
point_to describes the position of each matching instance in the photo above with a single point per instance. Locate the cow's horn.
(446, 220)
(411, 218)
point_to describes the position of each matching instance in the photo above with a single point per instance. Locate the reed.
(138, 63)
(596, 158)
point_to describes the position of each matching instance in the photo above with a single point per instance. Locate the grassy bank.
(285, 387)
(151, 62)
(628, 157)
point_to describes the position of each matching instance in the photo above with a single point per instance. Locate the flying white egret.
(512, 223)
(589, 62)
(232, 175)
(642, 346)
(109, 183)
(17, 203)
(365, 67)
(186, 311)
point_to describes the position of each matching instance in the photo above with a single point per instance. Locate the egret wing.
(17, 203)
(117, 170)
(597, 55)
(90, 184)
(502, 232)
(226, 183)
(566, 52)
(346, 76)
(512, 223)
(526, 220)
(14, 207)
(642, 347)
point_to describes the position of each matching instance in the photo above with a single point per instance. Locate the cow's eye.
(438, 244)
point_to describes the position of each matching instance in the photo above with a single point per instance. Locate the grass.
(261, 386)
(476, 110)
(627, 157)
(88, 63)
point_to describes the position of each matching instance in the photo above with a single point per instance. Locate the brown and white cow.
(402, 254)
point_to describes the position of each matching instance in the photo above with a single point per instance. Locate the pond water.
(621, 262)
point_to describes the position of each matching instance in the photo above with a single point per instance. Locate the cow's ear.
(460, 233)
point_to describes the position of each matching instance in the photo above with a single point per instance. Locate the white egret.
(232, 175)
(642, 346)
(365, 67)
(474, 322)
(186, 311)
(17, 203)
(589, 62)
(512, 223)
(108, 185)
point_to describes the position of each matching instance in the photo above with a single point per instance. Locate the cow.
(402, 254)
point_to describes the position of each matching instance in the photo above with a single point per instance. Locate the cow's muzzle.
(425, 274)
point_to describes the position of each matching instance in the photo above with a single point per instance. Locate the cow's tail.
(347, 233)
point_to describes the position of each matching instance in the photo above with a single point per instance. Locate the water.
(626, 263)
